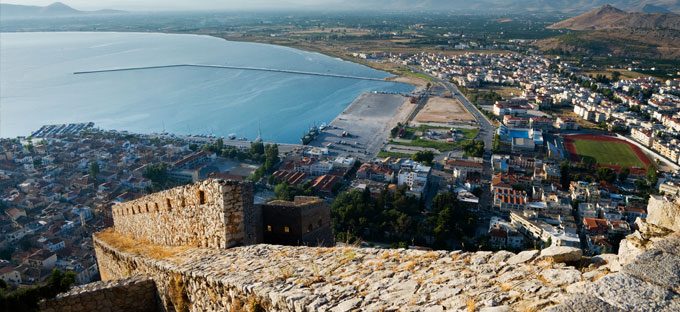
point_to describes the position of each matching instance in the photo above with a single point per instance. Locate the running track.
(573, 153)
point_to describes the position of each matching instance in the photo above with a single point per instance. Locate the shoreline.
(408, 88)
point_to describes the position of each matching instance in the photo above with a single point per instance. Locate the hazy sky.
(180, 4)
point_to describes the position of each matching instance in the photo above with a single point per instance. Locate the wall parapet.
(211, 213)
(131, 294)
(288, 278)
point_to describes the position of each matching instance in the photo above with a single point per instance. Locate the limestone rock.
(560, 277)
(656, 267)
(522, 257)
(663, 213)
(631, 294)
(562, 253)
(501, 256)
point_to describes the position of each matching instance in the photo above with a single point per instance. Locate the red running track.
(573, 153)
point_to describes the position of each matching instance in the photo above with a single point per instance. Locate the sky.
(170, 5)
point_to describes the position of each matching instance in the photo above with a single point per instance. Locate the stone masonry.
(211, 214)
(132, 294)
(192, 276)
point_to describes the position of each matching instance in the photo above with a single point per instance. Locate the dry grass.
(506, 286)
(178, 294)
(470, 305)
(128, 244)
(601, 274)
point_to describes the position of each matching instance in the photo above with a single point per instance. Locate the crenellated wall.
(212, 214)
(191, 276)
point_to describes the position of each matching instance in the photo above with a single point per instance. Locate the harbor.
(360, 130)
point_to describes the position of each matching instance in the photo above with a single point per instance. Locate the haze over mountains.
(464, 6)
(55, 9)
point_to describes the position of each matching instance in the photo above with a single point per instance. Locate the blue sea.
(37, 85)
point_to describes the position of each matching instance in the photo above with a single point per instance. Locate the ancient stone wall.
(211, 213)
(132, 294)
(288, 278)
(304, 221)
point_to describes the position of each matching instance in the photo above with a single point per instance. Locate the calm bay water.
(37, 85)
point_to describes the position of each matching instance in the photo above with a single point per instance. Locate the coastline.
(403, 88)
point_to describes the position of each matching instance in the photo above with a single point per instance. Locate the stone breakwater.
(209, 214)
(285, 278)
(132, 294)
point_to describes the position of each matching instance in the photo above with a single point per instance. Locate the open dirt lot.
(443, 110)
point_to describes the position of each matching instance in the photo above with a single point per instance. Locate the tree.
(256, 149)
(220, 144)
(652, 175)
(496, 143)
(26, 299)
(157, 173)
(423, 156)
(94, 169)
(193, 147)
(606, 174)
(624, 172)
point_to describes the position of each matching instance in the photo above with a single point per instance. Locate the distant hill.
(511, 6)
(609, 31)
(609, 17)
(53, 10)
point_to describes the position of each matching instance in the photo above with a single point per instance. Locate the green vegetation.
(606, 174)
(270, 154)
(401, 220)
(393, 154)
(608, 153)
(405, 71)
(285, 191)
(473, 148)
(496, 143)
(94, 169)
(438, 145)
(425, 157)
(488, 97)
(26, 299)
(652, 175)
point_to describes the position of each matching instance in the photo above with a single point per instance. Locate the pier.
(230, 67)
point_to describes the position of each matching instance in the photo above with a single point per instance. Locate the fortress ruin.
(197, 248)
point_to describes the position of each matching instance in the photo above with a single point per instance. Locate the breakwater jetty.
(230, 67)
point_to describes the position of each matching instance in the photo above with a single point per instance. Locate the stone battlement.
(212, 214)
(288, 278)
(180, 239)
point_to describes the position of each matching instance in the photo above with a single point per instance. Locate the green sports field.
(608, 153)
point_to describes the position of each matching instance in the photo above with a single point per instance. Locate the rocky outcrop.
(647, 266)
(562, 254)
(663, 212)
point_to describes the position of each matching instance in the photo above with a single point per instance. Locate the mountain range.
(571, 7)
(53, 10)
(609, 31)
(609, 17)
(511, 6)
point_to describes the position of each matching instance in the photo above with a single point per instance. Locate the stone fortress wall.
(644, 276)
(136, 293)
(209, 214)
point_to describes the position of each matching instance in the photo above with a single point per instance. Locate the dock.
(230, 67)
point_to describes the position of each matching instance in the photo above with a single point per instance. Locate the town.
(498, 151)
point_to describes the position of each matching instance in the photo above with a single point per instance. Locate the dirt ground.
(414, 81)
(443, 110)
